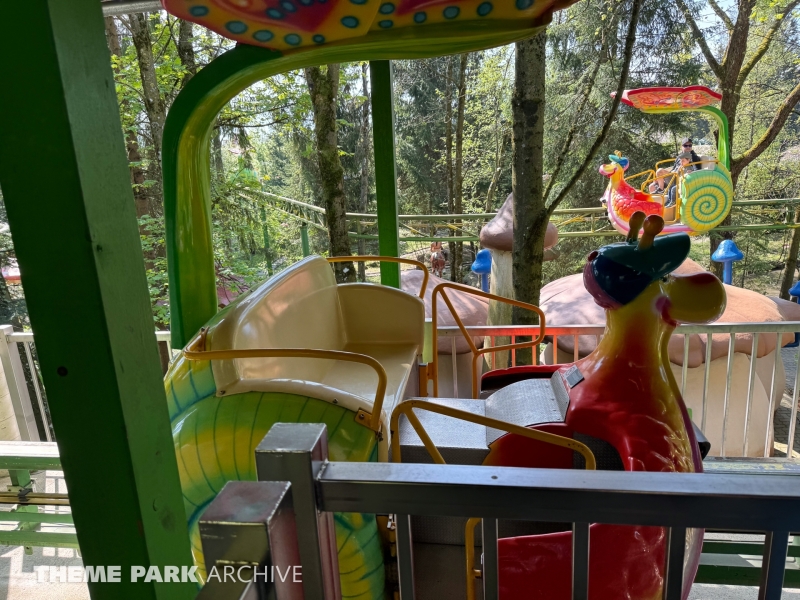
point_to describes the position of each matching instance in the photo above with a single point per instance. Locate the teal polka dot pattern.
(420, 17)
(484, 9)
(385, 24)
(198, 11)
(319, 39)
(451, 12)
(288, 6)
(235, 26)
(350, 22)
(524, 4)
(263, 35)
(387, 8)
(292, 39)
(274, 13)
(358, 1)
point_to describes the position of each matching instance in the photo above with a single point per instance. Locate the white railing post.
(17, 388)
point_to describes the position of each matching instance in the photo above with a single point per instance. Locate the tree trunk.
(154, 104)
(186, 51)
(530, 214)
(365, 154)
(791, 260)
(216, 154)
(498, 169)
(324, 87)
(458, 184)
(448, 142)
(244, 145)
(140, 196)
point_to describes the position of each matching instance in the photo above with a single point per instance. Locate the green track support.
(267, 251)
(65, 179)
(381, 84)
(304, 244)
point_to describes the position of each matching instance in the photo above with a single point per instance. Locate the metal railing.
(782, 331)
(774, 214)
(297, 483)
(21, 382)
(25, 388)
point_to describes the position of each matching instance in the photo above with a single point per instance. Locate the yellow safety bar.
(630, 178)
(476, 353)
(406, 408)
(469, 546)
(390, 259)
(195, 350)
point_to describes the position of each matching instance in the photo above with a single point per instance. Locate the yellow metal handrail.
(406, 408)
(390, 259)
(195, 350)
(476, 353)
(469, 547)
(630, 178)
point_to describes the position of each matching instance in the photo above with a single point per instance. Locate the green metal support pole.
(267, 252)
(304, 239)
(65, 180)
(381, 83)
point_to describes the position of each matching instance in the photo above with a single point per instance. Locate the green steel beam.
(743, 548)
(65, 179)
(267, 251)
(185, 156)
(51, 540)
(306, 247)
(732, 572)
(381, 83)
(35, 517)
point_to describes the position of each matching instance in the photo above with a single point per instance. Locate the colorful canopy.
(292, 24)
(670, 98)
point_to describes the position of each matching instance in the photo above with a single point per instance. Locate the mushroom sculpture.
(727, 253)
(498, 237)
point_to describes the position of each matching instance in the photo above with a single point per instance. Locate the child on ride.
(657, 187)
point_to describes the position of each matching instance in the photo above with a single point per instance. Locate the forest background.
(454, 129)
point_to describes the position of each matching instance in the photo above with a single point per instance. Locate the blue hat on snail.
(619, 159)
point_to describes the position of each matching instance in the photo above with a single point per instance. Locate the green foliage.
(263, 140)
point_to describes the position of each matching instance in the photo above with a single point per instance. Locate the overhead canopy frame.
(186, 147)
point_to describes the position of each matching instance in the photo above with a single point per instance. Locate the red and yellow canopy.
(292, 24)
(671, 98)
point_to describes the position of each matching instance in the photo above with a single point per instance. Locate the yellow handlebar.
(195, 350)
(476, 353)
(406, 408)
(390, 259)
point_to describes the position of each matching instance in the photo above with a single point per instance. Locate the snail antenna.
(652, 227)
(635, 224)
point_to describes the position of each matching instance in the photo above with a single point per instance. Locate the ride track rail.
(776, 215)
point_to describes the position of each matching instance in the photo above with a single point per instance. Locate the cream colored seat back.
(709, 162)
(298, 308)
(302, 307)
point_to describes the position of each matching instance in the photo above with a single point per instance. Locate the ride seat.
(709, 162)
(303, 307)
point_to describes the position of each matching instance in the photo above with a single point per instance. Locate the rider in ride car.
(684, 160)
(657, 187)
